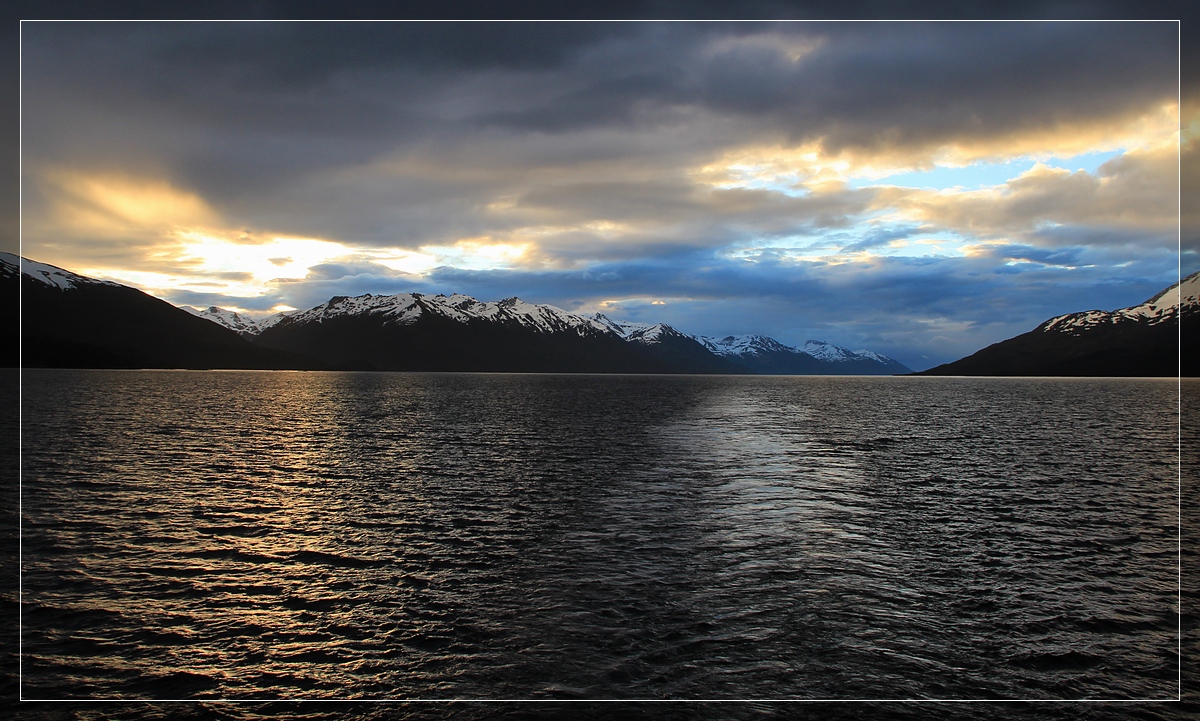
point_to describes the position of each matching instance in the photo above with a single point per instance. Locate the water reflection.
(251, 535)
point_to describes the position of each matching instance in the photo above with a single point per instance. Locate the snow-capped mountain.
(413, 331)
(408, 308)
(1141, 340)
(763, 354)
(821, 350)
(625, 328)
(668, 344)
(744, 345)
(50, 275)
(231, 320)
(644, 333)
(1164, 307)
(244, 324)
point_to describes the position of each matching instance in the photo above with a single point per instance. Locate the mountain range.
(69, 320)
(72, 321)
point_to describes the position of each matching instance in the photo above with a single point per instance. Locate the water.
(246, 535)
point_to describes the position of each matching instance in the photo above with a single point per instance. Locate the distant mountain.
(668, 344)
(71, 321)
(761, 354)
(1141, 340)
(242, 325)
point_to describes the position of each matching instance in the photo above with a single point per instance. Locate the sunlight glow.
(277, 258)
(481, 253)
(405, 261)
(114, 204)
(161, 284)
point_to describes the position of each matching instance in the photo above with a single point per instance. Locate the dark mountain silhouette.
(69, 321)
(1142, 340)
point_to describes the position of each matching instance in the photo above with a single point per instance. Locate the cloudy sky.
(920, 189)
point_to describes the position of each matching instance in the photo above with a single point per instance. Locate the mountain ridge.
(72, 321)
(1140, 340)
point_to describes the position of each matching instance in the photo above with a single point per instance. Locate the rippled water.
(246, 535)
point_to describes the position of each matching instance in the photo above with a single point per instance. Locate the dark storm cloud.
(427, 45)
(252, 115)
(924, 83)
(281, 58)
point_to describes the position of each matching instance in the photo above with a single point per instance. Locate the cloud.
(282, 124)
(113, 207)
(880, 236)
(919, 85)
(1132, 197)
(1061, 258)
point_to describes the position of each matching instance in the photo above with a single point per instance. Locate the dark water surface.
(263, 535)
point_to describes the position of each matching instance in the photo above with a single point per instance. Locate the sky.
(921, 189)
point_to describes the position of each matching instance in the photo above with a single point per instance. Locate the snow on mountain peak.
(1164, 306)
(49, 274)
(1186, 292)
(400, 308)
(739, 345)
(228, 318)
(405, 308)
(865, 353)
(736, 346)
(645, 333)
(827, 351)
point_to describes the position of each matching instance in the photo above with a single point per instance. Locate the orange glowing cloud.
(118, 205)
(813, 166)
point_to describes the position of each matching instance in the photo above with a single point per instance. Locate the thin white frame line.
(606, 700)
(1179, 365)
(1179, 383)
(20, 361)
(600, 20)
